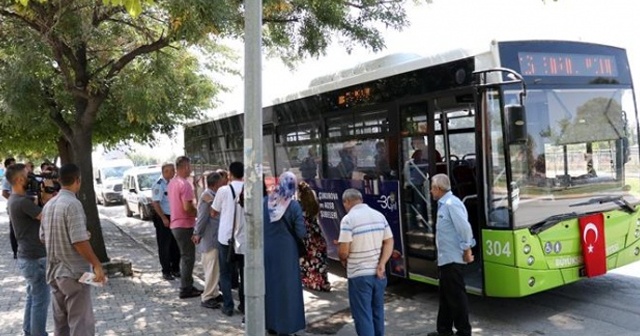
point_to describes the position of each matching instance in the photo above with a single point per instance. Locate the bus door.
(455, 137)
(417, 155)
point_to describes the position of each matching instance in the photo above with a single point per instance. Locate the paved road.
(146, 305)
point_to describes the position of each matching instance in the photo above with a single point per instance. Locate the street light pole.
(254, 258)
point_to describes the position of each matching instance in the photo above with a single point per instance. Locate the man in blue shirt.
(168, 251)
(454, 240)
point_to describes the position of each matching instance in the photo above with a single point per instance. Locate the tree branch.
(101, 16)
(143, 49)
(276, 20)
(29, 23)
(138, 28)
(56, 117)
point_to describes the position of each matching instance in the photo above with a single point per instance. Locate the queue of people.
(53, 249)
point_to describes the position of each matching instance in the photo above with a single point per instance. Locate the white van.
(108, 180)
(136, 190)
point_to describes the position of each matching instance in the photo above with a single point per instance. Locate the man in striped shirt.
(69, 256)
(366, 243)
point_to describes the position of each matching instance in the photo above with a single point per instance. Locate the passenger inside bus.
(347, 162)
(383, 169)
(416, 172)
(308, 166)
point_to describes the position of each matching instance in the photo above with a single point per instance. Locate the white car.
(136, 190)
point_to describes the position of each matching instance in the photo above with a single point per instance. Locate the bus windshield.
(581, 154)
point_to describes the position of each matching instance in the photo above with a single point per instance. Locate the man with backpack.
(228, 204)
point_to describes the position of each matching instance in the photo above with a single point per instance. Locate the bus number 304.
(495, 248)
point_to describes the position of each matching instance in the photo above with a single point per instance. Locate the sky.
(445, 25)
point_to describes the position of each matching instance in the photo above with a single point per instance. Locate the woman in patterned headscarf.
(284, 305)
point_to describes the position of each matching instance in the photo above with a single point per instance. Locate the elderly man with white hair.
(454, 240)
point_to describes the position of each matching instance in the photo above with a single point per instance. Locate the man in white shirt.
(225, 204)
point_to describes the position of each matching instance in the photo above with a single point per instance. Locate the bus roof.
(386, 66)
(390, 65)
(382, 67)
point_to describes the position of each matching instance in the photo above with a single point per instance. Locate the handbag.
(231, 255)
(302, 250)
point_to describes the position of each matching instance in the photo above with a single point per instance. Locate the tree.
(100, 72)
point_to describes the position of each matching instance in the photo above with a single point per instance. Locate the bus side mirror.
(516, 124)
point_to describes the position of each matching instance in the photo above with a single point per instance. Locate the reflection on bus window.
(498, 212)
(352, 160)
(577, 148)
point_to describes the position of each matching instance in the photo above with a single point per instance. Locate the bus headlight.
(526, 249)
(636, 251)
(638, 222)
(530, 260)
(548, 247)
(524, 238)
(532, 281)
(637, 233)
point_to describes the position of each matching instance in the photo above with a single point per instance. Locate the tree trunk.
(82, 147)
(64, 150)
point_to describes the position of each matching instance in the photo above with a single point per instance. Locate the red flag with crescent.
(593, 245)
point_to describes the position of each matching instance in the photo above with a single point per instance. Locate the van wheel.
(143, 214)
(127, 211)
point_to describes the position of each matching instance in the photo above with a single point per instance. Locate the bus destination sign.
(563, 64)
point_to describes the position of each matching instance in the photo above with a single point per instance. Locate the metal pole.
(254, 258)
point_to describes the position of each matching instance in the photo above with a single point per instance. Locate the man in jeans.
(224, 204)
(183, 220)
(365, 246)
(25, 217)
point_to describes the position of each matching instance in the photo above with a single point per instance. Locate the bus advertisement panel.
(379, 195)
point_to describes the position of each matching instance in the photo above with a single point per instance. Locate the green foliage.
(142, 59)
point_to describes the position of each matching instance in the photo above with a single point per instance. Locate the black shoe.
(241, 308)
(211, 304)
(228, 312)
(435, 333)
(218, 299)
(190, 293)
(176, 274)
(168, 276)
(15, 256)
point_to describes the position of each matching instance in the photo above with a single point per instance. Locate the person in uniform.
(168, 251)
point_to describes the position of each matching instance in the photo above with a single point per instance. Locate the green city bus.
(539, 139)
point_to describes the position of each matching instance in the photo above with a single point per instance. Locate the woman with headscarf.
(313, 265)
(284, 305)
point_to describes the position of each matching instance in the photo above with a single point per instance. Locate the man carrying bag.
(231, 236)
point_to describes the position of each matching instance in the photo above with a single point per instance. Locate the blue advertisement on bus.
(379, 195)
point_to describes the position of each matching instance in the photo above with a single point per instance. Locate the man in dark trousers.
(454, 240)
(168, 251)
(6, 191)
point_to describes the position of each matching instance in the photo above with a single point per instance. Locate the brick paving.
(143, 304)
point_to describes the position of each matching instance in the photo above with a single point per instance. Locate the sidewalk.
(145, 304)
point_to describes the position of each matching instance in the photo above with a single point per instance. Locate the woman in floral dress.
(314, 265)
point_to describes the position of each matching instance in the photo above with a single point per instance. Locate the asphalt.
(145, 304)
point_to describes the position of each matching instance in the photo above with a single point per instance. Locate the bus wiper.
(551, 221)
(619, 200)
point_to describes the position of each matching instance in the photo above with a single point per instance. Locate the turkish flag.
(593, 246)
